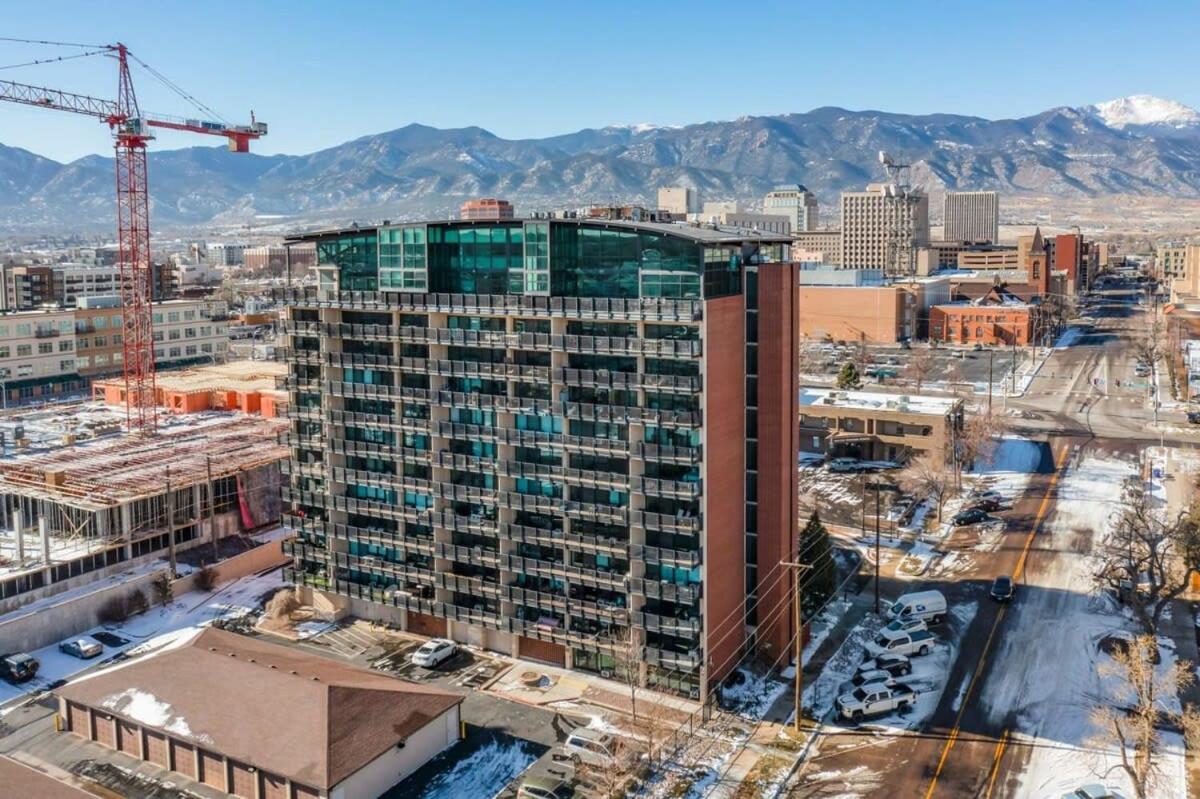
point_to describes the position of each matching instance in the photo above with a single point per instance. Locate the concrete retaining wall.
(82, 612)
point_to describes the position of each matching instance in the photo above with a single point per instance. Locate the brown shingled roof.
(298, 715)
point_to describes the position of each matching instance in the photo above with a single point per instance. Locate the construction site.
(82, 507)
(246, 386)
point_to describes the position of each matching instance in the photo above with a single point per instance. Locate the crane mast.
(131, 134)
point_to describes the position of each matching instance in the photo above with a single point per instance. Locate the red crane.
(131, 132)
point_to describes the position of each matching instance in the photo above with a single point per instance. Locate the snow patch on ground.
(753, 697)
(483, 773)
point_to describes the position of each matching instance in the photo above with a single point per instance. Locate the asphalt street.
(1076, 408)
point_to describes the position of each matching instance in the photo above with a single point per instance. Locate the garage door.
(156, 749)
(77, 720)
(546, 652)
(127, 735)
(212, 770)
(243, 780)
(304, 792)
(273, 787)
(183, 758)
(106, 731)
(422, 624)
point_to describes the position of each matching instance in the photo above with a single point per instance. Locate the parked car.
(869, 677)
(545, 787)
(1142, 369)
(875, 700)
(18, 667)
(434, 653)
(896, 665)
(986, 505)
(898, 509)
(593, 747)
(1193, 417)
(969, 517)
(905, 624)
(917, 642)
(928, 606)
(977, 347)
(1002, 589)
(985, 493)
(845, 465)
(82, 648)
(1092, 791)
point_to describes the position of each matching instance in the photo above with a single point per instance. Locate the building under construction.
(68, 515)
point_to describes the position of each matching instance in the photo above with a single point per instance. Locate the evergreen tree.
(816, 550)
(848, 378)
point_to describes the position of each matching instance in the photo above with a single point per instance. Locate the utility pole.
(170, 524)
(798, 649)
(991, 358)
(891, 489)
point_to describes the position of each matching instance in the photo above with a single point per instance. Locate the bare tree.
(977, 439)
(625, 646)
(613, 779)
(283, 604)
(919, 367)
(929, 476)
(1149, 344)
(1150, 556)
(1131, 727)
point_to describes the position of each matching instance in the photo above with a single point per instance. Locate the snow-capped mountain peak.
(1145, 109)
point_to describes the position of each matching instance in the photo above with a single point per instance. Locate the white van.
(928, 606)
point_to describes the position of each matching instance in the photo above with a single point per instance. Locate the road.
(979, 740)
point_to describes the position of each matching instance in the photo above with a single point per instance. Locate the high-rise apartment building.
(678, 200)
(486, 208)
(971, 216)
(795, 202)
(570, 440)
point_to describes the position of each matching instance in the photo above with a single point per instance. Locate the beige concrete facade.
(876, 426)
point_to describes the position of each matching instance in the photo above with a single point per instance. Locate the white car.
(435, 652)
(905, 625)
(595, 748)
(845, 465)
(898, 509)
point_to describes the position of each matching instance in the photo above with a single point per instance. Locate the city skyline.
(270, 55)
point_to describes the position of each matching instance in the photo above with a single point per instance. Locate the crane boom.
(131, 133)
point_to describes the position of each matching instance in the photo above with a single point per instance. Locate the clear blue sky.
(324, 72)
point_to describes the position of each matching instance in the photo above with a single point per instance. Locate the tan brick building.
(873, 426)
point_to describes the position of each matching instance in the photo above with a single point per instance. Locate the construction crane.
(132, 130)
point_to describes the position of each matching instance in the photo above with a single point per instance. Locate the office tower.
(486, 208)
(678, 200)
(971, 216)
(875, 224)
(535, 436)
(795, 202)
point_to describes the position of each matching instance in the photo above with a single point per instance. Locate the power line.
(54, 60)
(178, 90)
(54, 44)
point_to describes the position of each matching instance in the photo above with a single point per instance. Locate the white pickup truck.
(875, 699)
(900, 642)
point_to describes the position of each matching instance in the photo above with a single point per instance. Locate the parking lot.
(886, 365)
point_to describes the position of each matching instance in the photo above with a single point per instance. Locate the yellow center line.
(966, 701)
(996, 764)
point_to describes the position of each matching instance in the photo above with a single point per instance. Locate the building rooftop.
(309, 718)
(110, 471)
(241, 376)
(878, 401)
(706, 234)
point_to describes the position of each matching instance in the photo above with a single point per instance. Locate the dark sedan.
(1002, 589)
(971, 516)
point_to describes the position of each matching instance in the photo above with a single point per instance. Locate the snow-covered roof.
(878, 401)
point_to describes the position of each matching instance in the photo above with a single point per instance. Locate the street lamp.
(877, 488)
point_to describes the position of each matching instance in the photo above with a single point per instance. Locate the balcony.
(686, 558)
(463, 493)
(590, 511)
(472, 586)
(533, 535)
(681, 626)
(529, 596)
(667, 454)
(358, 360)
(677, 489)
(599, 446)
(687, 659)
(470, 432)
(339, 389)
(666, 523)
(475, 523)
(669, 592)
(477, 556)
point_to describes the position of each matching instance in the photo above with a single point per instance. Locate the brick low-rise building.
(998, 317)
(262, 721)
(874, 426)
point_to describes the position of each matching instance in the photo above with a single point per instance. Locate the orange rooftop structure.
(246, 386)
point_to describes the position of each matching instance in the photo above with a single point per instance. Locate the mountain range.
(1137, 145)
